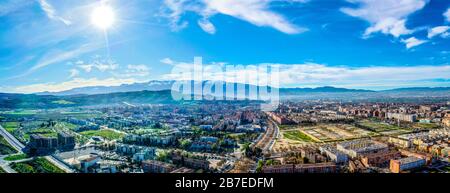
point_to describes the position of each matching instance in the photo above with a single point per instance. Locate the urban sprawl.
(315, 136)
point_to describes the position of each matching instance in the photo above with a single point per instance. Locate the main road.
(11, 139)
(19, 146)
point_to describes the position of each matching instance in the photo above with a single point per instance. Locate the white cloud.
(140, 70)
(101, 65)
(313, 75)
(71, 84)
(385, 16)
(167, 61)
(256, 12)
(51, 12)
(74, 73)
(207, 26)
(447, 14)
(440, 30)
(413, 42)
(57, 56)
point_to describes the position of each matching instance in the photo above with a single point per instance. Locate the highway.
(19, 146)
(11, 139)
(60, 164)
(5, 165)
(267, 141)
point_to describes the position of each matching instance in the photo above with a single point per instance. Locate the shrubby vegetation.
(5, 147)
(38, 165)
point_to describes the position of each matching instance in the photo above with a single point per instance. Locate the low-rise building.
(88, 161)
(334, 154)
(361, 147)
(153, 166)
(402, 117)
(379, 159)
(328, 167)
(396, 166)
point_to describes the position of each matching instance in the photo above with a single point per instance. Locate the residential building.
(361, 147)
(396, 166)
(153, 166)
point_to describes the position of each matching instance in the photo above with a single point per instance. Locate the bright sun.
(103, 17)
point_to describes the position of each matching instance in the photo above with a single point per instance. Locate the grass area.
(16, 157)
(426, 126)
(65, 125)
(20, 112)
(10, 126)
(2, 171)
(46, 132)
(378, 126)
(446, 168)
(38, 165)
(5, 147)
(297, 136)
(105, 133)
(63, 102)
(286, 127)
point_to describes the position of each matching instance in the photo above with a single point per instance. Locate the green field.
(10, 126)
(446, 168)
(426, 126)
(286, 127)
(65, 125)
(105, 133)
(2, 171)
(5, 147)
(38, 165)
(16, 157)
(19, 112)
(46, 132)
(63, 102)
(297, 136)
(378, 126)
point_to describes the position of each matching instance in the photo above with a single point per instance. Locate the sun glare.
(103, 17)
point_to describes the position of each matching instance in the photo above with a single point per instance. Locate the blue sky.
(52, 45)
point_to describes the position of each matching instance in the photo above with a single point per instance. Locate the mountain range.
(167, 85)
(159, 92)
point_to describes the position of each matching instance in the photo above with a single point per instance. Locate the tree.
(259, 167)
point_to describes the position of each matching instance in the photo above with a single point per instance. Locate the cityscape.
(225, 87)
(305, 136)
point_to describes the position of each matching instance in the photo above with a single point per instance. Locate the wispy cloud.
(207, 26)
(11, 6)
(256, 12)
(313, 74)
(439, 30)
(74, 73)
(447, 15)
(137, 70)
(167, 61)
(100, 64)
(57, 56)
(385, 16)
(51, 12)
(413, 42)
(63, 56)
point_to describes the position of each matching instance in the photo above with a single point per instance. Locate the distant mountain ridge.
(122, 95)
(321, 89)
(167, 85)
(148, 86)
(415, 89)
